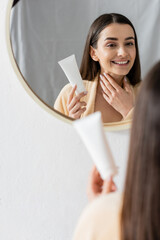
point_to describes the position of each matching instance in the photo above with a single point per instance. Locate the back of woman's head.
(140, 217)
(89, 68)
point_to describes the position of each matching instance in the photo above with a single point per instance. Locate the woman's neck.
(117, 78)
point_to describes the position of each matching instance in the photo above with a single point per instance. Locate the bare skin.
(97, 186)
(109, 114)
(113, 100)
(116, 54)
(75, 105)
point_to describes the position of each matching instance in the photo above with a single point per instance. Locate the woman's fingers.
(97, 186)
(109, 186)
(107, 84)
(95, 183)
(78, 114)
(105, 90)
(77, 107)
(121, 99)
(113, 188)
(74, 105)
(112, 82)
(106, 97)
(71, 94)
(126, 85)
(76, 99)
(108, 91)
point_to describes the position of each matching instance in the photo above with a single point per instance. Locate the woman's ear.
(93, 54)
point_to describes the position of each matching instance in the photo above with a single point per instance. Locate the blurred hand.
(121, 99)
(74, 105)
(97, 186)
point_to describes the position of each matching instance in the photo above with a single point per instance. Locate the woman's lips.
(121, 63)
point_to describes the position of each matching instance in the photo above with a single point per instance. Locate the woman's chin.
(119, 73)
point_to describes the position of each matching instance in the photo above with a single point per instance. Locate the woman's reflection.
(111, 65)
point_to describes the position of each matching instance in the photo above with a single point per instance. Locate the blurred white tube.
(91, 131)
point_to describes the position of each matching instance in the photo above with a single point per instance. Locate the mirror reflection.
(107, 55)
(111, 69)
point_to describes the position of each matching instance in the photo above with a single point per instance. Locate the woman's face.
(116, 49)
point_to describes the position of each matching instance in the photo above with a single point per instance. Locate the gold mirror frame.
(115, 126)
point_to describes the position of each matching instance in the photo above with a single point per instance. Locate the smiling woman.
(110, 68)
(37, 67)
(115, 50)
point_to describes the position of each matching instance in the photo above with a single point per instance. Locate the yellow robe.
(90, 86)
(100, 220)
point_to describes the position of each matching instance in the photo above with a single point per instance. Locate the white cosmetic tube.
(70, 68)
(91, 131)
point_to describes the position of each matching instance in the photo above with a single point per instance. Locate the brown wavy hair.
(90, 68)
(140, 218)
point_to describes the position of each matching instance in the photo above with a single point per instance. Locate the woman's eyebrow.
(110, 38)
(116, 39)
(128, 38)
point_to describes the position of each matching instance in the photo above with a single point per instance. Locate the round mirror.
(40, 34)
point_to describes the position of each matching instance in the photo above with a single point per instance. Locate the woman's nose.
(122, 52)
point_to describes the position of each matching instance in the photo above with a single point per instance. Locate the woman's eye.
(111, 45)
(130, 44)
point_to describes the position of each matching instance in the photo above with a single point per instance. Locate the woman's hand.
(121, 99)
(97, 186)
(74, 105)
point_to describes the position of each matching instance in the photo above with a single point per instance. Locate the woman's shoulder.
(90, 83)
(61, 100)
(66, 88)
(105, 203)
(100, 219)
(86, 83)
